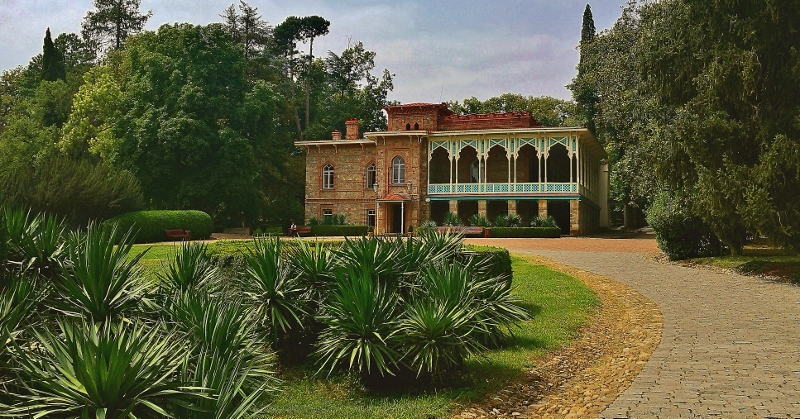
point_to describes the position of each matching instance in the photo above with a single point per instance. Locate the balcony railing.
(510, 189)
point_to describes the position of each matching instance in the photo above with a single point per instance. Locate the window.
(408, 127)
(416, 126)
(398, 170)
(371, 218)
(372, 176)
(327, 215)
(327, 177)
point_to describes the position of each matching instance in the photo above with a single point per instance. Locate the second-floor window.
(372, 176)
(327, 177)
(398, 170)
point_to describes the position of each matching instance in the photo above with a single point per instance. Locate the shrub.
(509, 220)
(426, 226)
(478, 220)
(149, 226)
(451, 219)
(498, 259)
(526, 232)
(544, 222)
(339, 230)
(679, 233)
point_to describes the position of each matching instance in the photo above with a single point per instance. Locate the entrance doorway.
(397, 218)
(559, 210)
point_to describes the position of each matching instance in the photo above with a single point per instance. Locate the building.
(431, 161)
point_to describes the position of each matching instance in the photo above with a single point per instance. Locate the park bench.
(301, 231)
(178, 234)
(465, 230)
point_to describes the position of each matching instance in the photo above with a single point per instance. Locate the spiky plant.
(452, 219)
(478, 220)
(444, 245)
(100, 282)
(226, 355)
(109, 370)
(18, 298)
(361, 322)
(36, 242)
(314, 264)
(189, 268)
(278, 297)
(374, 256)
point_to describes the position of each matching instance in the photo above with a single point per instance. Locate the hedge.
(500, 260)
(339, 230)
(150, 225)
(526, 232)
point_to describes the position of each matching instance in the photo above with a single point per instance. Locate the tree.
(547, 110)
(310, 28)
(247, 28)
(584, 86)
(113, 21)
(52, 61)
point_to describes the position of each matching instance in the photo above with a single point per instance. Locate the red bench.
(465, 230)
(178, 234)
(301, 231)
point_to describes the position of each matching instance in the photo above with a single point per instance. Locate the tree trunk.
(308, 72)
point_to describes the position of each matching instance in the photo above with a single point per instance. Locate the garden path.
(729, 343)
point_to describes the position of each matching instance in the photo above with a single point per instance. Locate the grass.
(558, 302)
(759, 260)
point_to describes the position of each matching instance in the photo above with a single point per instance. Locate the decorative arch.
(328, 176)
(371, 175)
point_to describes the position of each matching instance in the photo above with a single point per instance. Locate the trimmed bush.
(679, 233)
(149, 226)
(526, 232)
(499, 259)
(339, 230)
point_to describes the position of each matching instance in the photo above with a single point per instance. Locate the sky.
(437, 50)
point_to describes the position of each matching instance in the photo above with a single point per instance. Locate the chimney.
(351, 129)
(336, 135)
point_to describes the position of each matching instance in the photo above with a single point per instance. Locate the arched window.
(372, 176)
(398, 170)
(416, 126)
(408, 127)
(327, 177)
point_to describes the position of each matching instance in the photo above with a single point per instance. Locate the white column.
(402, 218)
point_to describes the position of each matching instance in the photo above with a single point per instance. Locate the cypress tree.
(588, 30)
(52, 61)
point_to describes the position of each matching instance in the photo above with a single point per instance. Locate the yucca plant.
(109, 370)
(314, 264)
(374, 256)
(227, 357)
(277, 295)
(36, 242)
(497, 309)
(437, 337)
(452, 219)
(100, 282)
(190, 268)
(361, 322)
(236, 386)
(478, 220)
(18, 298)
(444, 245)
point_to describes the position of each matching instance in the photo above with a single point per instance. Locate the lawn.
(558, 302)
(759, 260)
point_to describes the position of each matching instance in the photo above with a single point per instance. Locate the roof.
(394, 198)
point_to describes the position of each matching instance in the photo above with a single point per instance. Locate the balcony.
(506, 189)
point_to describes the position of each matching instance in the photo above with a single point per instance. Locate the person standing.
(293, 230)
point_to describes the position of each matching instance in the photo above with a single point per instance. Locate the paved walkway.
(730, 345)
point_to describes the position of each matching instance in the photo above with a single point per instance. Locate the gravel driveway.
(730, 344)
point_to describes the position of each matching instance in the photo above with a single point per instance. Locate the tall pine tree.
(114, 20)
(52, 60)
(583, 86)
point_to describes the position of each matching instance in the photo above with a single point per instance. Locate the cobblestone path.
(730, 345)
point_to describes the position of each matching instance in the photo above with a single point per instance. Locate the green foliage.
(509, 220)
(548, 111)
(149, 226)
(190, 269)
(35, 242)
(478, 220)
(100, 283)
(679, 233)
(361, 322)
(541, 232)
(91, 370)
(77, 190)
(52, 61)
(339, 230)
(275, 292)
(112, 23)
(451, 219)
(497, 260)
(544, 222)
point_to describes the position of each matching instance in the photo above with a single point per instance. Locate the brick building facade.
(430, 161)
